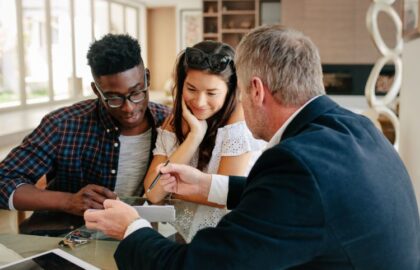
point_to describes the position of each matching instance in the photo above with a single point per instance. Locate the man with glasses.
(95, 149)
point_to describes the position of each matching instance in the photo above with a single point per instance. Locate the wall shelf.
(228, 20)
(235, 31)
(238, 12)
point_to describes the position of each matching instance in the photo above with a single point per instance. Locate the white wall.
(357, 104)
(409, 112)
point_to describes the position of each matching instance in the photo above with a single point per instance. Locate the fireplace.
(351, 79)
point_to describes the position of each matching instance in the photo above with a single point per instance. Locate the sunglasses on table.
(115, 100)
(75, 238)
(196, 58)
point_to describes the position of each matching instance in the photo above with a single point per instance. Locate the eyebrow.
(131, 88)
(209, 89)
(134, 86)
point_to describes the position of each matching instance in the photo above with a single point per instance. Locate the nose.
(127, 106)
(201, 100)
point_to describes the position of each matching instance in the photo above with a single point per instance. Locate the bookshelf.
(229, 20)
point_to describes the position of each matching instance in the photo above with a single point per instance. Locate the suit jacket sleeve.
(236, 188)
(278, 223)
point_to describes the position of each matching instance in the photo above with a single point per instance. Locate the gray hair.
(287, 62)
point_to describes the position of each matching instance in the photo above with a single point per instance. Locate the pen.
(156, 178)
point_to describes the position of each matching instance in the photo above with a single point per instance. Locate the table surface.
(99, 253)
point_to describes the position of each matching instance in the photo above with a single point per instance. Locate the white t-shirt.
(133, 163)
(231, 140)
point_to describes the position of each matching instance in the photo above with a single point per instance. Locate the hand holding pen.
(156, 178)
(185, 180)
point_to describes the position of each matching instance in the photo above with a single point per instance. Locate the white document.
(50, 260)
(156, 213)
(7, 255)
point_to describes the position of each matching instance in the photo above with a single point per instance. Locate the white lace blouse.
(231, 140)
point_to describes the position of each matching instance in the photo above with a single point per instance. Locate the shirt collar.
(109, 124)
(279, 133)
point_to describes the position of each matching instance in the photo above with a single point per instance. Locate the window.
(101, 18)
(35, 50)
(43, 46)
(82, 20)
(61, 49)
(9, 70)
(117, 18)
(131, 25)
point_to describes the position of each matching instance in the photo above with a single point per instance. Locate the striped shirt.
(74, 146)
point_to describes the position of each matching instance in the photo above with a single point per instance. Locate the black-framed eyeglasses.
(196, 58)
(115, 100)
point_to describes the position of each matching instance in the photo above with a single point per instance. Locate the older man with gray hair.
(329, 192)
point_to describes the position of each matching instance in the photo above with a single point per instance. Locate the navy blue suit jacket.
(333, 194)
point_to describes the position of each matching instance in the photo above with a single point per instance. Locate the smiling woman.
(206, 130)
(204, 94)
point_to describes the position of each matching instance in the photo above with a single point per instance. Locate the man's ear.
(257, 91)
(147, 76)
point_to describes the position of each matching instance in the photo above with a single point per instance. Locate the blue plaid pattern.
(74, 146)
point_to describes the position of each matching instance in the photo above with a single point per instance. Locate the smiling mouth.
(199, 110)
(130, 116)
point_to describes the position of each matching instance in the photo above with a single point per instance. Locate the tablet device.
(50, 260)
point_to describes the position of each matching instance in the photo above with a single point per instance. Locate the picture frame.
(411, 21)
(191, 27)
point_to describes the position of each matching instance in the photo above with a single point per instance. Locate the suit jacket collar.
(312, 111)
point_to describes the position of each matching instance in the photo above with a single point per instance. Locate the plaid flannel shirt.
(74, 146)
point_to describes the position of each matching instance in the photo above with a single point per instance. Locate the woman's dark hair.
(220, 118)
(113, 53)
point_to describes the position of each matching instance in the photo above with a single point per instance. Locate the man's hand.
(184, 180)
(114, 220)
(89, 197)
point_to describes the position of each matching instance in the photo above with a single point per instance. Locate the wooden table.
(99, 253)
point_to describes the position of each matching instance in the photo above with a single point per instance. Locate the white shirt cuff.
(135, 225)
(219, 189)
(11, 206)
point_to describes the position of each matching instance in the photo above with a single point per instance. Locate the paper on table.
(7, 255)
(156, 213)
